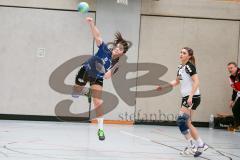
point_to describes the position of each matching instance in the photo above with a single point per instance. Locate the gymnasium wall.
(112, 17)
(222, 9)
(32, 48)
(40, 98)
(212, 29)
(52, 4)
(158, 30)
(214, 47)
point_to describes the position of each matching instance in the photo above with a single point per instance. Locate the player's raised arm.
(95, 31)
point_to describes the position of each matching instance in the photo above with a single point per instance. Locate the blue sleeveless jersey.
(100, 63)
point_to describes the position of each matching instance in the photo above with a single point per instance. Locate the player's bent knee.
(182, 122)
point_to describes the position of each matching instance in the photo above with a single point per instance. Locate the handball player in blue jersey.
(97, 68)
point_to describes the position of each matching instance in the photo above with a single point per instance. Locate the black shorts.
(82, 78)
(195, 102)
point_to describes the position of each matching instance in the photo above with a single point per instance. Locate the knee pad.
(182, 121)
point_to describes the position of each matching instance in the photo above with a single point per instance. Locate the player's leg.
(236, 114)
(97, 101)
(182, 122)
(201, 146)
(193, 131)
(80, 82)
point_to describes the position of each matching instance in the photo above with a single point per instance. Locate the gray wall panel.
(193, 8)
(215, 43)
(25, 77)
(112, 17)
(54, 4)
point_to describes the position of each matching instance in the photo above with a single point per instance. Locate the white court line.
(149, 140)
(133, 135)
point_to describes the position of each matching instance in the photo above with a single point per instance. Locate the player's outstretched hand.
(89, 20)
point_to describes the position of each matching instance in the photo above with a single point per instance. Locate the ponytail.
(192, 60)
(190, 52)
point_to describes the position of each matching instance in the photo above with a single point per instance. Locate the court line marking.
(153, 141)
(210, 146)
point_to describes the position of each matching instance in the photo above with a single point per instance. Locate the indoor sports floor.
(31, 140)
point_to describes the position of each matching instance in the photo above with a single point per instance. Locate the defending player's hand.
(231, 103)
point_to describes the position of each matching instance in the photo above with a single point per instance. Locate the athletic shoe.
(189, 150)
(101, 135)
(200, 150)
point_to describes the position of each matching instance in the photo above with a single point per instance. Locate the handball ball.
(83, 7)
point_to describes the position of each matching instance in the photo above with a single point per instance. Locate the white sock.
(199, 142)
(100, 123)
